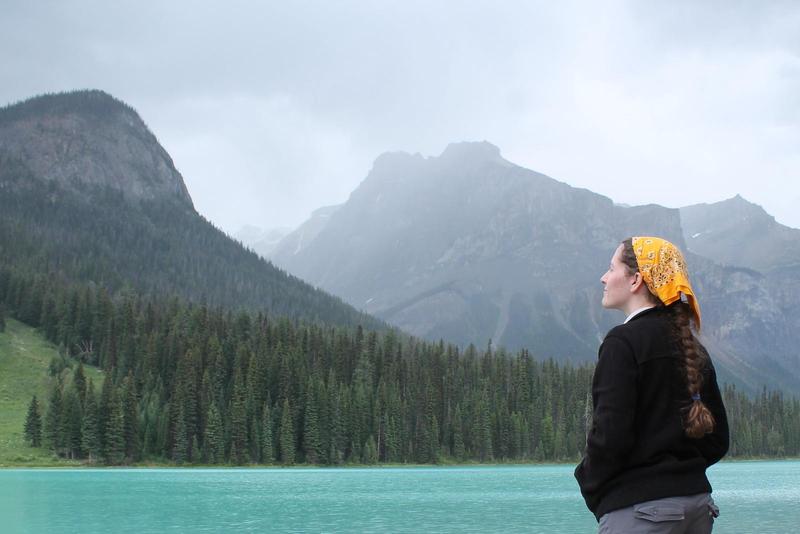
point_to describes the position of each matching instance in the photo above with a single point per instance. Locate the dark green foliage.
(71, 423)
(130, 418)
(114, 443)
(2, 318)
(90, 430)
(287, 434)
(267, 448)
(200, 384)
(312, 444)
(88, 234)
(53, 437)
(33, 424)
(213, 439)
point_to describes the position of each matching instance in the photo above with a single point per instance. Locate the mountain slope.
(739, 233)
(470, 247)
(91, 196)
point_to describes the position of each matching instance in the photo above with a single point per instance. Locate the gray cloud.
(272, 110)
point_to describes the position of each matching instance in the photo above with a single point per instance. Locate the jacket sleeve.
(714, 446)
(612, 435)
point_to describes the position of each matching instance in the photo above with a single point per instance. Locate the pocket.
(713, 509)
(659, 512)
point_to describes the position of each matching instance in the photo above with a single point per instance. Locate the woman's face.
(617, 282)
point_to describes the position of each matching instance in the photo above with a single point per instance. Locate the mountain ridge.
(474, 248)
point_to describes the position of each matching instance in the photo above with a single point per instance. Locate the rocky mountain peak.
(469, 152)
(89, 138)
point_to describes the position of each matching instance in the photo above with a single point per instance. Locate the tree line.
(191, 384)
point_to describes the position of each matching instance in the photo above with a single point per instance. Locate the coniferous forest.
(189, 384)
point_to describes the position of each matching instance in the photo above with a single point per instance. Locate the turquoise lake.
(757, 497)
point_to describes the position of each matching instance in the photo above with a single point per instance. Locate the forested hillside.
(94, 198)
(192, 384)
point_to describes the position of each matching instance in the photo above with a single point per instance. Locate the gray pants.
(693, 514)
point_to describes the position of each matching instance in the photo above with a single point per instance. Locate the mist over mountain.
(469, 247)
(88, 195)
(739, 233)
(259, 240)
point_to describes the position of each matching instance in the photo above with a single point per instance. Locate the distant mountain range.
(469, 247)
(466, 246)
(261, 241)
(89, 195)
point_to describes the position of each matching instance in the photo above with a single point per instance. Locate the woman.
(658, 419)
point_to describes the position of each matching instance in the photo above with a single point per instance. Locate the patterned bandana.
(664, 271)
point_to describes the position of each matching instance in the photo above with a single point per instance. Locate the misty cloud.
(271, 111)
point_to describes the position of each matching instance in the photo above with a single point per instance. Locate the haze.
(272, 110)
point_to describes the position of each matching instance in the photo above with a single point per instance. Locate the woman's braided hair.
(699, 421)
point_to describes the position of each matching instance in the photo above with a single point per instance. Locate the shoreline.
(160, 465)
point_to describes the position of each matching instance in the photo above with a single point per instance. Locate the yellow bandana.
(664, 271)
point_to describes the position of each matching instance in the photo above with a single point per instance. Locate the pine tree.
(71, 423)
(181, 445)
(370, 455)
(311, 439)
(33, 424)
(267, 455)
(287, 434)
(130, 417)
(213, 440)
(458, 435)
(114, 447)
(79, 382)
(52, 422)
(89, 431)
(238, 419)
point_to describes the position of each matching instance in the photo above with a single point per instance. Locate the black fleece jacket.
(637, 449)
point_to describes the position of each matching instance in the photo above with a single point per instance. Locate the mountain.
(89, 138)
(88, 194)
(261, 241)
(469, 247)
(739, 233)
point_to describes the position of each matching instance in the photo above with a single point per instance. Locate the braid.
(699, 420)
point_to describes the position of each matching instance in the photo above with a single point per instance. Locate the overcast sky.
(272, 109)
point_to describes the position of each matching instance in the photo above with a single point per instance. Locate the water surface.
(753, 497)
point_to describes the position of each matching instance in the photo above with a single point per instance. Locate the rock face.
(739, 233)
(471, 248)
(88, 137)
(750, 276)
(88, 195)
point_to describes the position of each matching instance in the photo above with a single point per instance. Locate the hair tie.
(695, 396)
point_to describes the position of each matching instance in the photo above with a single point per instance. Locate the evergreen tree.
(267, 455)
(459, 450)
(71, 423)
(114, 445)
(370, 452)
(181, 444)
(287, 434)
(238, 418)
(130, 418)
(53, 436)
(79, 382)
(33, 424)
(311, 433)
(213, 439)
(90, 432)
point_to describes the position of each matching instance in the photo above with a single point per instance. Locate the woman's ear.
(636, 282)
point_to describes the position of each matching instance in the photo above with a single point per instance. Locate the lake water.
(757, 497)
